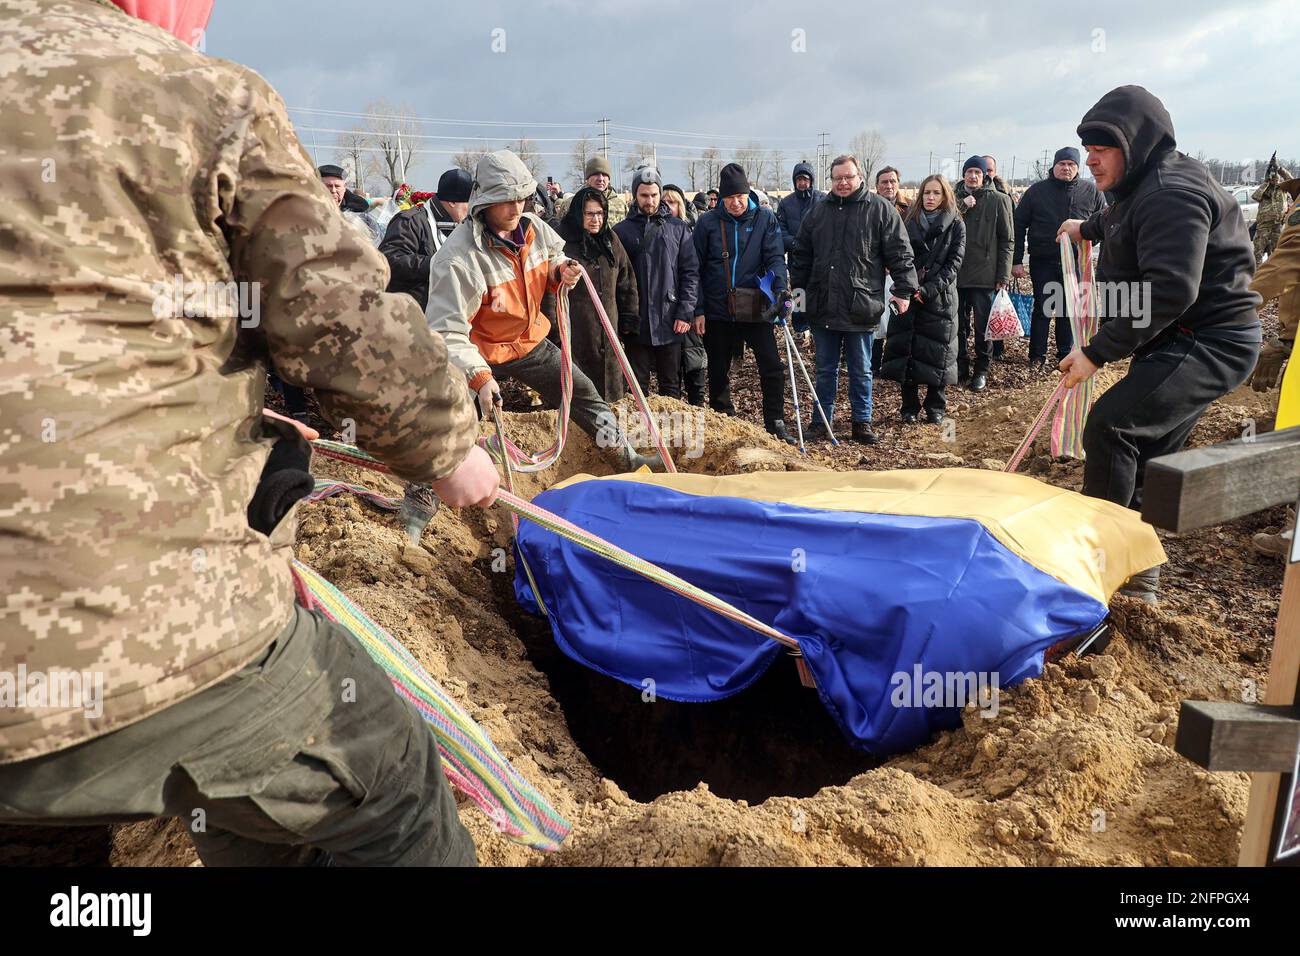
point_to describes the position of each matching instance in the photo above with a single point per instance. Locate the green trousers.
(306, 756)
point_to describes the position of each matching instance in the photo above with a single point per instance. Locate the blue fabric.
(755, 247)
(857, 346)
(867, 596)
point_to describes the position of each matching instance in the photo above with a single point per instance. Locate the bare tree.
(526, 150)
(777, 178)
(694, 172)
(467, 159)
(712, 162)
(355, 155)
(869, 148)
(641, 153)
(395, 136)
(583, 150)
(753, 159)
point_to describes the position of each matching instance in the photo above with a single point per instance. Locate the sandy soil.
(1077, 768)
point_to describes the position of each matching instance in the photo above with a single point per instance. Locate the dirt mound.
(1075, 768)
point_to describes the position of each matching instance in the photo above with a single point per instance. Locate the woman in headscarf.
(589, 241)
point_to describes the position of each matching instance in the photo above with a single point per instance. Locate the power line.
(678, 132)
(410, 117)
(458, 139)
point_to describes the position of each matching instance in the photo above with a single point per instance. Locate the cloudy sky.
(687, 75)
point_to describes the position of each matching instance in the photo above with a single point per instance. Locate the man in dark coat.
(415, 234)
(1174, 282)
(668, 276)
(753, 247)
(845, 245)
(1044, 206)
(987, 267)
(921, 348)
(791, 210)
(589, 241)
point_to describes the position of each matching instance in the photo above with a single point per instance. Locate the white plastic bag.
(1004, 323)
(883, 329)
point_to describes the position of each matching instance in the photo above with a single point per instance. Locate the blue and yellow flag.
(928, 574)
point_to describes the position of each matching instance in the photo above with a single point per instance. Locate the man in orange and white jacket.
(486, 286)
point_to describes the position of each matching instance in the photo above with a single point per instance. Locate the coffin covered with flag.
(884, 578)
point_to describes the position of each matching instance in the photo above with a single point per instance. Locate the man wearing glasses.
(845, 244)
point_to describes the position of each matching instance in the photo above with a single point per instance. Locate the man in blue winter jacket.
(738, 243)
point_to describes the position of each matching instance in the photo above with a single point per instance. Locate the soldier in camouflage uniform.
(598, 173)
(1279, 278)
(152, 658)
(1273, 201)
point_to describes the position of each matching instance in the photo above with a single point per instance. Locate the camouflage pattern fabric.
(1273, 202)
(162, 233)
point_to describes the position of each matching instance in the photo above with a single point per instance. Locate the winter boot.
(1273, 545)
(863, 435)
(777, 430)
(419, 505)
(1143, 585)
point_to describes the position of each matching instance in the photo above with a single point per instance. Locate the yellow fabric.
(1089, 544)
(1288, 405)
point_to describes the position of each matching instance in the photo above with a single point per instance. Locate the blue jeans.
(857, 347)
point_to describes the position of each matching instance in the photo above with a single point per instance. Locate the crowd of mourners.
(881, 284)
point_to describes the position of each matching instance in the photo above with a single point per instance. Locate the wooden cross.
(1208, 486)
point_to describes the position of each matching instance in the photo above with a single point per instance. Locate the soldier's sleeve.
(327, 322)
(1280, 273)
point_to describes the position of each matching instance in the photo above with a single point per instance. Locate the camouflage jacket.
(162, 233)
(1279, 276)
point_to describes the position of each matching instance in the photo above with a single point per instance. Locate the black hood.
(1139, 122)
(353, 203)
(804, 169)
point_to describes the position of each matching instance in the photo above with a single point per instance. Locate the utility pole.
(823, 158)
(604, 137)
(1013, 170)
(401, 163)
(960, 145)
(930, 168)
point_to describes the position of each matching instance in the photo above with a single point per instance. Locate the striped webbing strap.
(469, 758)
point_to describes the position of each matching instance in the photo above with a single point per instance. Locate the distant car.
(1249, 208)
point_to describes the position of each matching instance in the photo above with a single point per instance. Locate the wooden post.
(1262, 815)
(1207, 486)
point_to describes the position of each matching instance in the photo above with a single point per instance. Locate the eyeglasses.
(844, 179)
(593, 215)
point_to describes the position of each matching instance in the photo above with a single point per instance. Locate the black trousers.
(721, 338)
(667, 363)
(1049, 281)
(936, 398)
(978, 302)
(1151, 410)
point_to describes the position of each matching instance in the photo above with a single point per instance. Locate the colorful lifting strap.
(469, 759)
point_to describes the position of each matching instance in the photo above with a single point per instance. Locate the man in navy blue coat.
(738, 243)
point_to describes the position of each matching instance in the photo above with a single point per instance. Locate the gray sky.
(926, 75)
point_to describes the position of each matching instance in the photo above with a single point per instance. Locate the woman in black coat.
(589, 240)
(921, 344)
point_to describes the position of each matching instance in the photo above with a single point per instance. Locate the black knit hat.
(329, 170)
(454, 186)
(1066, 153)
(733, 181)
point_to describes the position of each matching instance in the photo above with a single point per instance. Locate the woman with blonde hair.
(921, 344)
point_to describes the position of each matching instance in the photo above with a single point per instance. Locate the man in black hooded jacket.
(1174, 283)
